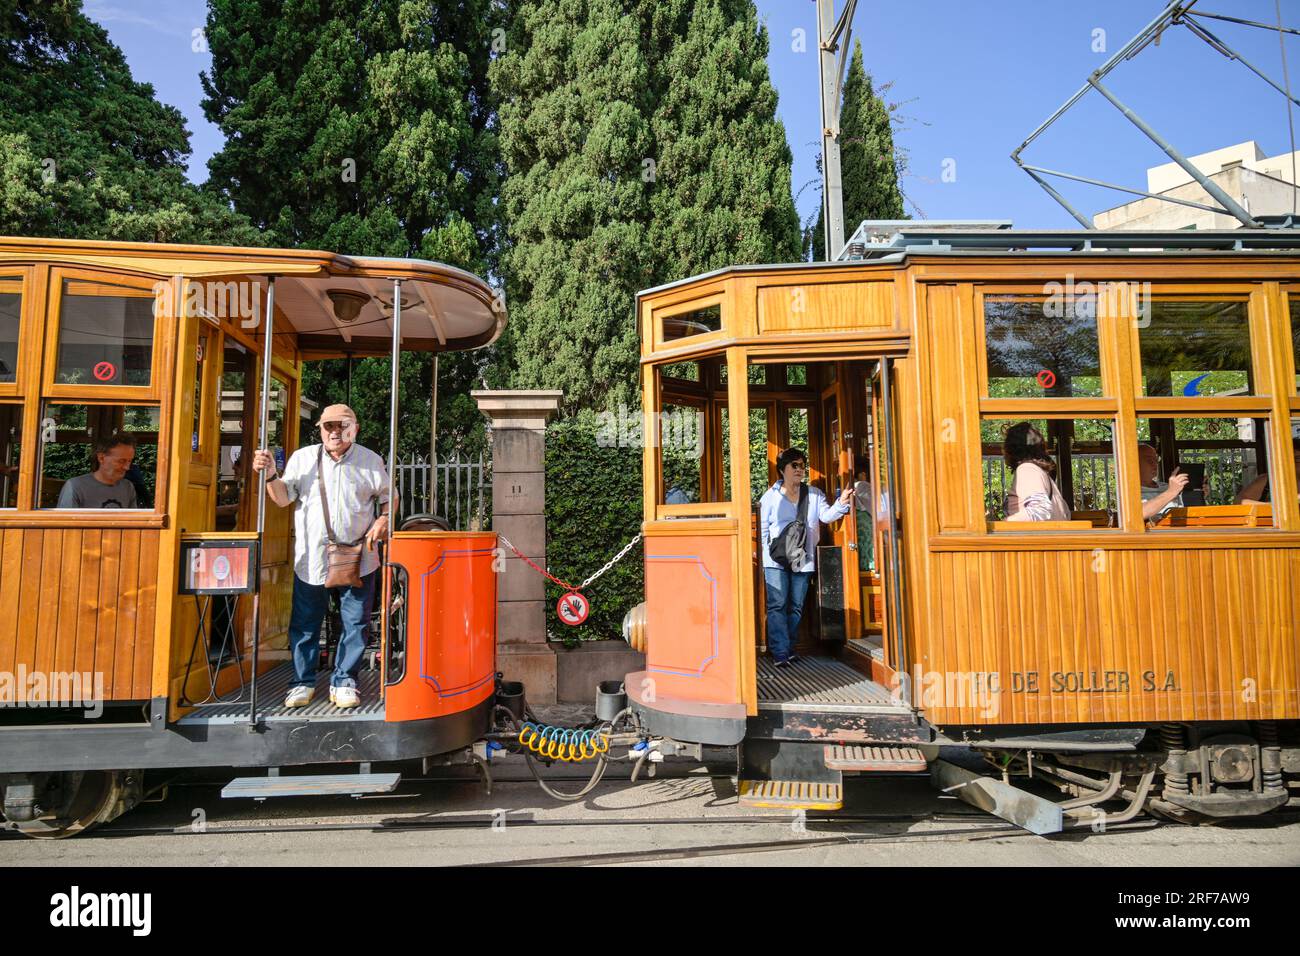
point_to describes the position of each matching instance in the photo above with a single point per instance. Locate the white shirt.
(776, 511)
(353, 485)
(1155, 491)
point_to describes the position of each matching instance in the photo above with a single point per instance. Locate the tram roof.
(957, 239)
(443, 308)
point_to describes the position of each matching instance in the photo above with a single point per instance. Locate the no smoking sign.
(573, 608)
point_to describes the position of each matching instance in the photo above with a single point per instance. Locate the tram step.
(875, 759)
(324, 785)
(791, 794)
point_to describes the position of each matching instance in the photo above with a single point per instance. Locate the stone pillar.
(518, 421)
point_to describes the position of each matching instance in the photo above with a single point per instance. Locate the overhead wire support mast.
(1174, 14)
(833, 37)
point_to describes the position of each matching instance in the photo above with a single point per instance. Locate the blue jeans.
(786, 591)
(310, 602)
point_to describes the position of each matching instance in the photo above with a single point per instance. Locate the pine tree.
(85, 151)
(364, 127)
(642, 146)
(868, 163)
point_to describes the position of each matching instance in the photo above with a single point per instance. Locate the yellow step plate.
(875, 759)
(791, 794)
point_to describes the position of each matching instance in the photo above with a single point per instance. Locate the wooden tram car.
(111, 669)
(1156, 661)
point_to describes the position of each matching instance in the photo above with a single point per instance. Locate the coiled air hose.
(567, 745)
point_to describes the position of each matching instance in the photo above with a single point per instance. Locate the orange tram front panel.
(443, 660)
(690, 592)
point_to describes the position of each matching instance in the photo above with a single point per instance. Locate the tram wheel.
(97, 797)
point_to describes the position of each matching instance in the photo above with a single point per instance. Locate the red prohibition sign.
(1047, 378)
(105, 371)
(573, 608)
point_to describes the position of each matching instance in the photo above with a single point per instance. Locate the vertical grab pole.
(895, 562)
(392, 407)
(263, 415)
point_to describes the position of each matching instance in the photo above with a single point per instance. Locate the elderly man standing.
(354, 486)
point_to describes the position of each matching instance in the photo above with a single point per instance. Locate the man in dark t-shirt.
(106, 486)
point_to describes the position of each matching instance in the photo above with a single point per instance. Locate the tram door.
(839, 590)
(886, 584)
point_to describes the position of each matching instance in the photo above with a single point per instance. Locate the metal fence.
(459, 490)
(1227, 470)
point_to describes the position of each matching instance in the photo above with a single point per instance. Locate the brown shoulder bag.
(342, 561)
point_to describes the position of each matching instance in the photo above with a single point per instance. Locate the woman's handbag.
(789, 549)
(342, 561)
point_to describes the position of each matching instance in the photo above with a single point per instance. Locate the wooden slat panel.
(129, 622)
(47, 614)
(826, 307)
(69, 583)
(1196, 634)
(142, 678)
(88, 599)
(29, 597)
(109, 598)
(9, 580)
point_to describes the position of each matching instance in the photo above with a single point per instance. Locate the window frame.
(1109, 373)
(28, 327)
(720, 299)
(99, 394)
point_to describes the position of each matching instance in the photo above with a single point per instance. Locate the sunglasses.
(334, 426)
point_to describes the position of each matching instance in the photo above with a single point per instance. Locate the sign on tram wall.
(1090, 682)
(218, 567)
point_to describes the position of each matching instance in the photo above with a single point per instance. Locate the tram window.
(11, 310)
(758, 474)
(1195, 349)
(1083, 458)
(276, 432)
(81, 468)
(1295, 336)
(1039, 348)
(1226, 459)
(757, 374)
(797, 428)
(697, 322)
(681, 451)
(687, 371)
(236, 408)
(11, 425)
(105, 335)
(796, 375)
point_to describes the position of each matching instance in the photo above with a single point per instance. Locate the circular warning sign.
(573, 608)
(105, 371)
(1047, 378)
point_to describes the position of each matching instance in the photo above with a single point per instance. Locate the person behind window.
(1157, 497)
(862, 498)
(1258, 491)
(107, 486)
(1035, 495)
(356, 482)
(786, 588)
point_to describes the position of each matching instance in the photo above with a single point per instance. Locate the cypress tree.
(868, 163)
(86, 152)
(642, 145)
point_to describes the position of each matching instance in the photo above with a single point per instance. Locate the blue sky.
(974, 79)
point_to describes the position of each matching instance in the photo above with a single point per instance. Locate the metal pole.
(1228, 203)
(262, 418)
(832, 186)
(392, 407)
(895, 561)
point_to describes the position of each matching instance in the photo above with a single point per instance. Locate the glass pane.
(201, 356)
(11, 426)
(797, 423)
(690, 371)
(1080, 460)
(1195, 349)
(1295, 336)
(681, 450)
(796, 375)
(11, 310)
(98, 456)
(275, 425)
(105, 335)
(236, 409)
(758, 482)
(699, 322)
(1042, 347)
(1187, 463)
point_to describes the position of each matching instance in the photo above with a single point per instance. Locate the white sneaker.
(299, 696)
(344, 696)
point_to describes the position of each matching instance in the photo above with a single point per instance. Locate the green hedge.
(593, 508)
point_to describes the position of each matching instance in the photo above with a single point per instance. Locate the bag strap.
(803, 506)
(324, 501)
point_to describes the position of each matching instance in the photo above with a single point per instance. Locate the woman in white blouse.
(1035, 495)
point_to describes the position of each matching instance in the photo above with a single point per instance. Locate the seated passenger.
(1035, 495)
(1258, 492)
(107, 486)
(1158, 498)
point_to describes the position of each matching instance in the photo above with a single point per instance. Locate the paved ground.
(690, 819)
